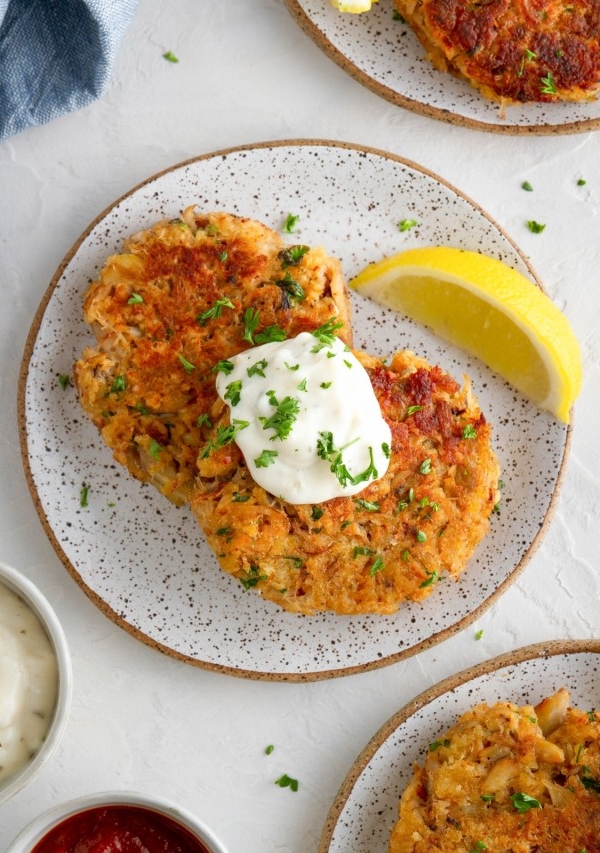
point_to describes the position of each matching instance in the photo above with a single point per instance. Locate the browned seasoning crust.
(514, 51)
(149, 376)
(466, 796)
(412, 529)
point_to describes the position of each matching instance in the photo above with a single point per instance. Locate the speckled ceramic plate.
(145, 562)
(385, 55)
(366, 808)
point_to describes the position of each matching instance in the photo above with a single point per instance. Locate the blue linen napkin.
(56, 56)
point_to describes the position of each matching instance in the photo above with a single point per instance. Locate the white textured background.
(140, 720)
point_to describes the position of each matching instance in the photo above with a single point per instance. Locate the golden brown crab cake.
(514, 51)
(395, 540)
(182, 296)
(509, 779)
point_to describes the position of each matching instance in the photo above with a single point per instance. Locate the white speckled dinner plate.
(365, 810)
(386, 56)
(143, 561)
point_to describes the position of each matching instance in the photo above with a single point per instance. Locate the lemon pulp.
(488, 309)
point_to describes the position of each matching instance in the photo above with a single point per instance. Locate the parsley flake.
(469, 431)
(233, 392)
(407, 224)
(269, 749)
(258, 369)
(214, 311)
(187, 365)
(548, 86)
(286, 781)
(527, 186)
(325, 333)
(223, 366)
(135, 299)
(535, 227)
(377, 566)
(291, 287)
(83, 496)
(284, 417)
(266, 458)
(523, 802)
(291, 220)
(292, 256)
(425, 467)
(432, 578)
(64, 380)
(170, 56)
(119, 384)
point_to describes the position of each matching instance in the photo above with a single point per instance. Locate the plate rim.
(311, 29)
(548, 649)
(99, 602)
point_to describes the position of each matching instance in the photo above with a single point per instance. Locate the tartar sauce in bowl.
(35, 681)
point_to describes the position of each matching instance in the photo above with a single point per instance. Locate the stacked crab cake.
(182, 296)
(171, 315)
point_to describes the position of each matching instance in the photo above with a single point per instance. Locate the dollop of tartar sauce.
(28, 683)
(306, 418)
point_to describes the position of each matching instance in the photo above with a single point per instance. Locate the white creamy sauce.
(28, 683)
(300, 408)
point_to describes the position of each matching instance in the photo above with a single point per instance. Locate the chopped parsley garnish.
(284, 417)
(430, 579)
(469, 431)
(270, 334)
(203, 420)
(325, 385)
(292, 366)
(266, 458)
(170, 56)
(286, 781)
(327, 450)
(591, 715)
(135, 299)
(370, 506)
(238, 498)
(479, 845)
(252, 577)
(488, 798)
(590, 783)
(214, 311)
(251, 318)
(301, 386)
(412, 409)
(233, 392)
(548, 86)
(292, 256)
(421, 537)
(223, 257)
(224, 435)
(362, 551)
(155, 448)
(119, 384)
(325, 333)
(291, 287)
(527, 186)
(479, 634)
(258, 369)
(437, 743)
(386, 449)
(523, 802)
(223, 366)
(535, 227)
(425, 467)
(83, 496)
(581, 182)
(316, 513)
(290, 223)
(64, 380)
(297, 562)
(377, 566)
(187, 365)
(407, 224)
(224, 531)
(269, 749)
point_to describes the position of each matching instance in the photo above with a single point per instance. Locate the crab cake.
(508, 779)
(511, 50)
(394, 541)
(182, 296)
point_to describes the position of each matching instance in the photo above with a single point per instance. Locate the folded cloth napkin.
(56, 56)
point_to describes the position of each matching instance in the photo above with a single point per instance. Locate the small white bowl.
(38, 829)
(33, 598)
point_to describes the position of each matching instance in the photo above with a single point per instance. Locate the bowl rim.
(22, 586)
(35, 831)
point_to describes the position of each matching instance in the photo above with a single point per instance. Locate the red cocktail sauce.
(122, 828)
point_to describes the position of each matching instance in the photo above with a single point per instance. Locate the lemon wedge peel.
(353, 6)
(486, 307)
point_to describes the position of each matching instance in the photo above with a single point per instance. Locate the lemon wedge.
(355, 6)
(488, 309)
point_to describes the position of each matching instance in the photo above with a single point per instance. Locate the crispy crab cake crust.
(463, 796)
(393, 541)
(515, 51)
(149, 377)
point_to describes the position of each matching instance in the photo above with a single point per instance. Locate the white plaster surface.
(141, 720)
